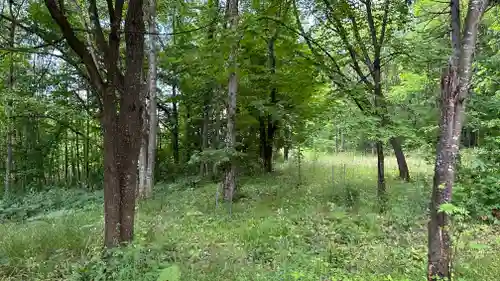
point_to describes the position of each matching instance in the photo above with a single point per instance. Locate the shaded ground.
(321, 229)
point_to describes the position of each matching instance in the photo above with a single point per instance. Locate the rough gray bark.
(152, 110)
(230, 173)
(455, 83)
(143, 157)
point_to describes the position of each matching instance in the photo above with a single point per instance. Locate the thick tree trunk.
(404, 173)
(230, 173)
(112, 192)
(454, 90)
(130, 116)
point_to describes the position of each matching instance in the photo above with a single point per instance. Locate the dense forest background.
(251, 140)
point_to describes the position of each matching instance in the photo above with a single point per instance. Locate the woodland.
(332, 140)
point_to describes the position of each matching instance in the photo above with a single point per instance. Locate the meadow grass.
(323, 226)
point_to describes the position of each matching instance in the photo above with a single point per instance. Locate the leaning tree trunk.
(230, 173)
(454, 90)
(404, 173)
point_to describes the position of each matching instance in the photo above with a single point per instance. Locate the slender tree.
(152, 109)
(455, 83)
(10, 83)
(230, 173)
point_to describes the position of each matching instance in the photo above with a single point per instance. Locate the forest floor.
(286, 227)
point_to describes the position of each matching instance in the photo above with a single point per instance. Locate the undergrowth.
(325, 228)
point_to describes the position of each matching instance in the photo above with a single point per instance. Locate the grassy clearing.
(322, 229)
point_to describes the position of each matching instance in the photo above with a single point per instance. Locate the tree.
(153, 116)
(8, 163)
(344, 21)
(230, 172)
(121, 97)
(455, 83)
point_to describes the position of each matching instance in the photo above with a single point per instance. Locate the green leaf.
(448, 208)
(171, 273)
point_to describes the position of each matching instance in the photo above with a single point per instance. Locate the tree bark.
(262, 140)
(454, 91)
(153, 115)
(271, 122)
(8, 161)
(230, 172)
(381, 190)
(143, 158)
(213, 5)
(175, 126)
(404, 173)
(122, 99)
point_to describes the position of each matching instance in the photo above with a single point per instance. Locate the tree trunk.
(8, 161)
(86, 150)
(454, 90)
(78, 174)
(381, 191)
(112, 191)
(271, 122)
(175, 126)
(143, 158)
(122, 99)
(288, 142)
(204, 133)
(230, 173)
(262, 141)
(213, 5)
(381, 110)
(66, 158)
(153, 115)
(404, 173)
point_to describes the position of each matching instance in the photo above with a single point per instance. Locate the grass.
(320, 229)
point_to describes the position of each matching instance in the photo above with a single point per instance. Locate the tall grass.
(325, 227)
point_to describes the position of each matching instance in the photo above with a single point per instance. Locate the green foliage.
(171, 273)
(279, 232)
(47, 204)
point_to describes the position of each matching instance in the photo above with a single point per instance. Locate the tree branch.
(76, 44)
